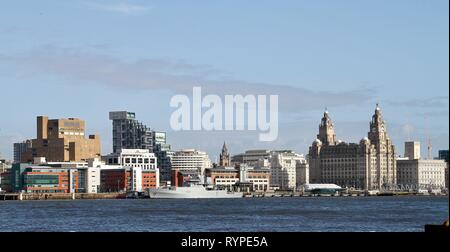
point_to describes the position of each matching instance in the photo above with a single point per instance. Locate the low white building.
(420, 173)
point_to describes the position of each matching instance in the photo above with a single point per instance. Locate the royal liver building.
(368, 165)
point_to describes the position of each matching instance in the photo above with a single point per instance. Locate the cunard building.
(369, 165)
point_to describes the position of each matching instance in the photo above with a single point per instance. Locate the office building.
(135, 158)
(369, 165)
(412, 150)
(283, 169)
(240, 178)
(420, 174)
(20, 149)
(55, 177)
(191, 160)
(255, 158)
(62, 140)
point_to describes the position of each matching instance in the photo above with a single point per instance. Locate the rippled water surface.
(246, 214)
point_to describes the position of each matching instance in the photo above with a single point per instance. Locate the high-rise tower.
(128, 133)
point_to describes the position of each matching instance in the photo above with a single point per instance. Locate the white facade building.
(421, 174)
(302, 173)
(191, 160)
(417, 173)
(140, 160)
(284, 165)
(256, 158)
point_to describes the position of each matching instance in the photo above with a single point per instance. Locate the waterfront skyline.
(133, 55)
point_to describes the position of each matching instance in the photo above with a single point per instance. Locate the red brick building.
(121, 179)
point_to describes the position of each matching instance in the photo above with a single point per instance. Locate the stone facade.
(224, 156)
(62, 140)
(368, 165)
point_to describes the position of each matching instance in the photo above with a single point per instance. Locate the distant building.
(183, 178)
(239, 178)
(164, 154)
(126, 179)
(135, 158)
(5, 175)
(421, 173)
(128, 133)
(20, 149)
(302, 173)
(224, 156)
(4, 165)
(256, 158)
(191, 160)
(443, 155)
(412, 150)
(368, 165)
(62, 140)
(283, 168)
(287, 168)
(5, 181)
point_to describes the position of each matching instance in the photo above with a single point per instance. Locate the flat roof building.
(62, 140)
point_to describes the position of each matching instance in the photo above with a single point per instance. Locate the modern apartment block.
(369, 165)
(164, 154)
(20, 149)
(62, 140)
(129, 133)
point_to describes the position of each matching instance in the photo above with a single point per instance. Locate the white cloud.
(123, 8)
(82, 66)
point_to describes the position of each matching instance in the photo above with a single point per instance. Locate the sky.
(85, 58)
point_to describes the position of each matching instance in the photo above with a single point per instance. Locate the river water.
(322, 214)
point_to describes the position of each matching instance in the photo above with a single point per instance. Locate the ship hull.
(188, 193)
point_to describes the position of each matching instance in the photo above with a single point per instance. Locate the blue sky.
(86, 58)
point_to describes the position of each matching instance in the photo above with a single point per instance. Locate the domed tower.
(377, 131)
(326, 130)
(224, 156)
(315, 170)
(385, 168)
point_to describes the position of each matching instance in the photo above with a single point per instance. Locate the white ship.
(192, 192)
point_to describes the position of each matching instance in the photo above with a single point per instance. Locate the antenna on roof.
(427, 132)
